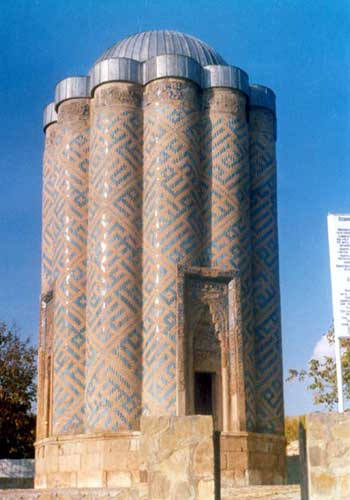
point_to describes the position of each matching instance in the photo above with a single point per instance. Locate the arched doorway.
(207, 379)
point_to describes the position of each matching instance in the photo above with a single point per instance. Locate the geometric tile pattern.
(226, 190)
(71, 210)
(269, 377)
(172, 228)
(114, 300)
(168, 185)
(48, 199)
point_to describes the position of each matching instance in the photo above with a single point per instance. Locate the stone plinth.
(327, 457)
(178, 457)
(88, 461)
(251, 459)
(171, 458)
(280, 492)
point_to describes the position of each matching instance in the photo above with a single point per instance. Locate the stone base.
(252, 459)
(171, 458)
(178, 457)
(88, 461)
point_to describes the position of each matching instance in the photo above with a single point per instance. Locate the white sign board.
(339, 252)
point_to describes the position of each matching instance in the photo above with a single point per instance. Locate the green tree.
(291, 427)
(17, 394)
(321, 376)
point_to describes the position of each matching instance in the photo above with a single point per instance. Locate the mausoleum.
(160, 286)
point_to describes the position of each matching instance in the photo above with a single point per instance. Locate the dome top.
(147, 44)
(151, 55)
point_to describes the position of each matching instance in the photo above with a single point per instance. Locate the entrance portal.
(209, 347)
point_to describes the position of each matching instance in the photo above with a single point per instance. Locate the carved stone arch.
(205, 333)
(205, 314)
(218, 310)
(196, 315)
(45, 371)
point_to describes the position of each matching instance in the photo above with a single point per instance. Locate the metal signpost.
(339, 253)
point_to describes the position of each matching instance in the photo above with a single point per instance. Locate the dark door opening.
(203, 397)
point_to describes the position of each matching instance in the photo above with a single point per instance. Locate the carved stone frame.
(231, 341)
(45, 366)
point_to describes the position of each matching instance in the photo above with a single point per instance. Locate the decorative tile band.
(114, 290)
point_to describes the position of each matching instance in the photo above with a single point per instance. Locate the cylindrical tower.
(71, 214)
(114, 297)
(226, 190)
(172, 227)
(47, 278)
(153, 184)
(266, 293)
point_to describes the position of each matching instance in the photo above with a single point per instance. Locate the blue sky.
(299, 48)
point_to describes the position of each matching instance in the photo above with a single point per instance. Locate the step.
(242, 493)
(280, 492)
(73, 494)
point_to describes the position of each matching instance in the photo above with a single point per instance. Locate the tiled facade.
(160, 262)
(47, 281)
(266, 292)
(171, 228)
(114, 296)
(226, 186)
(48, 210)
(71, 217)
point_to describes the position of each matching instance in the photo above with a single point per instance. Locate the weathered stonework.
(87, 460)
(251, 459)
(239, 493)
(170, 458)
(178, 457)
(326, 463)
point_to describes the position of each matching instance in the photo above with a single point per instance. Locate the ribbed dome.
(147, 44)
